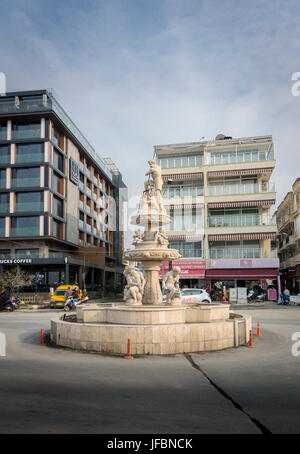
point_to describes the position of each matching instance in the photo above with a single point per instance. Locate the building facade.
(288, 222)
(218, 194)
(60, 202)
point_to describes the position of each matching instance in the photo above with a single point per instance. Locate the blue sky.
(135, 73)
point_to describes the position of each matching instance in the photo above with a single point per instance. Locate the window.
(31, 152)
(4, 253)
(29, 176)
(56, 137)
(2, 178)
(181, 161)
(56, 229)
(58, 207)
(3, 131)
(4, 154)
(29, 201)
(58, 161)
(26, 129)
(57, 184)
(25, 226)
(4, 203)
(23, 253)
(2, 226)
(188, 249)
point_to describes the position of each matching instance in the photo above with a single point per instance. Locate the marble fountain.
(154, 327)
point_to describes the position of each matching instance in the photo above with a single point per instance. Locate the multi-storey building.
(288, 223)
(60, 202)
(218, 194)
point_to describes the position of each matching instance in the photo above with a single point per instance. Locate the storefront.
(290, 278)
(242, 274)
(192, 272)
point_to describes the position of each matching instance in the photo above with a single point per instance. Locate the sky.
(137, 73)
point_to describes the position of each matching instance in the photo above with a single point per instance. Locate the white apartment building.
(218, 194)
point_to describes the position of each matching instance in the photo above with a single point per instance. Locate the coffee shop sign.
(14, 261)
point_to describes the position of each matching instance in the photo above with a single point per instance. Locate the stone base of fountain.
(153, 330)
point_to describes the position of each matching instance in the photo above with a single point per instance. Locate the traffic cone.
(42, 336)
(251, 345)
(128, 356)
(258, 334)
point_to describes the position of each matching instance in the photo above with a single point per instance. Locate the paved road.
(51, 390)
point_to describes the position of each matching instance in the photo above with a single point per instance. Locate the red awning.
(242, 236)
(183, 176)
(248, 203)
(258, 273)
(219, 173)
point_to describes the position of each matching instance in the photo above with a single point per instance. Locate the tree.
(15, 278)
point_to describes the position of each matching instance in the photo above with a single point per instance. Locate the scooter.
(72, 302)
(16, 302)
(252, 296)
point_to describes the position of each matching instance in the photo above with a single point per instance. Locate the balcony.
(29, 206)
(81, 204)
(88, 228)
(80, 224)
(25, 182)
(88, 209)
(89, 192)
(81, 186)
(238, 189)
(94, 231)
(242, 220)
(235, 253)
(95, 181)
(94, 197)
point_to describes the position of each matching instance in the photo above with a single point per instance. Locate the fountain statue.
(151, 247)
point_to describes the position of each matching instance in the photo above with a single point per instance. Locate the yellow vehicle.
(61, 294)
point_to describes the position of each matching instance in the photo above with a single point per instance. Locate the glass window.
(26, 129)
(4, 203)
(58, 161)
(4, 253)
(56, 228)
(4, 154)
(25, 226)
(57, 183)
(2, 226)
(29, 201)
(56, 136)
(58, 207)
(27, 252)
(29, 176)
(3, 131)
(32, 152)
(2, 178)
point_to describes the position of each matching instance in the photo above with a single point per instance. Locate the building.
(288, 223)
(218, 194)
(60, 202)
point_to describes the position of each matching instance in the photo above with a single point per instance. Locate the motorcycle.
(253, 296)
(16, 302)
(72, 302)
(7, 306)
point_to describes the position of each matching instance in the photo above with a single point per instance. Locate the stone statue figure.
(171, 286)
(138, 237)
(161, 238)
(155, 173)
(134, 288)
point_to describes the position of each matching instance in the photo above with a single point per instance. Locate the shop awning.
(183, 176)
(248, 203)
(257, 273)
(220, 173)
(243, 236)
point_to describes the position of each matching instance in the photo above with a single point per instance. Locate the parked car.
(193, 295)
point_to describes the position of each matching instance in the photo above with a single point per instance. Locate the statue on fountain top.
(155, 173)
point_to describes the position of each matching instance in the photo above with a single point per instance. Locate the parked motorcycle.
(16, 302)
(253, 296)
(72, 302)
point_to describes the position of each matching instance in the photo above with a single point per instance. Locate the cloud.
(135, 73)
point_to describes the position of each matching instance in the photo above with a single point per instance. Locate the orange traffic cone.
(42, 336)
(128, 356)
(251, 345)
(258, 334)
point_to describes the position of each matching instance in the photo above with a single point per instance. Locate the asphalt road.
(53, 390)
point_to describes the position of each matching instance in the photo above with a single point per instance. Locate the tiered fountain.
(152, 326)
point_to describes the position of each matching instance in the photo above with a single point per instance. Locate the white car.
(193, 295)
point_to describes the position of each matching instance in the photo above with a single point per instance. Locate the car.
(193, 295)
(58, 298)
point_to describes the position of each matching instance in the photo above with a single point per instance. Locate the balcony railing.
(89, 192)
(81, 204)
(88, 228)
(81, 186)
(235, 253)
(80, 224)
(243, 220)
(29, 206)
(25, 182)
(230, 189)
(87, 209)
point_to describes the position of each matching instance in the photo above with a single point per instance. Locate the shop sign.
(74, 171)
(244, 263)
(14, 261)
(233, 294)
